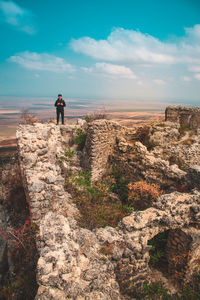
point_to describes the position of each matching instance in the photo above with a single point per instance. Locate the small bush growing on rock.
(69, 153)
(161, 124)
(80, 138)
(142, 194)
(96, 115)
(119, 184)
(24, 257)
(183, 129)
(27, 118)
(155, 290)
(88, 118)
(158, 255)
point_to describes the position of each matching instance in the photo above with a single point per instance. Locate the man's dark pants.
(60, 112)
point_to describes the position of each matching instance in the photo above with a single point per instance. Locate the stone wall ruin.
(185, 116)
(106, 263)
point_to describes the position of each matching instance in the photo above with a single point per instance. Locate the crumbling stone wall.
(178, 251)
(108, 139)
(186, 116)
(40, 147)
(106, 263)
(101, 138)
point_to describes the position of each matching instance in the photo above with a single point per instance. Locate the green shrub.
(88, 118)
(96, 204)
(69, 153)
(160, 124)
(119, 185)
(158, 256)
(80, 138)
(96, 115)
(183, 129)
(156, 290)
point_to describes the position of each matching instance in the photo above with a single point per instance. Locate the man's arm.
(56, 103)
(64, 104)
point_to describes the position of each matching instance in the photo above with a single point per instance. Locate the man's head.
(59, 96)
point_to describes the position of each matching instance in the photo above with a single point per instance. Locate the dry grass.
(142, 194)
(27, 118)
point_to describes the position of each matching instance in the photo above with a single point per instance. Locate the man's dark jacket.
(60, 104)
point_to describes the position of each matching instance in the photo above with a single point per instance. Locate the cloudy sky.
(101, 49)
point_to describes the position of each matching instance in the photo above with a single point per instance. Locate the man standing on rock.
(60, 104)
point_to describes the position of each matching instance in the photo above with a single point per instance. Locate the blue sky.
(144, 49)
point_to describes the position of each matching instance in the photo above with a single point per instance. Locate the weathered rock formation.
(186, 116)
(106, 263)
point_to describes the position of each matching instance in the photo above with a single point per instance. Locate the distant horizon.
(98, 101)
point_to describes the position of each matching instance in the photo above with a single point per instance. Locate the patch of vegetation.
(96, 115)
(96, 203)
(162, 124)
(108, 200)
(27, 117)
(80, 138)
(24, 256)
(152, 144)
(88, 118)
(158, 256)
(142, 194)
(183, 129)
(22, 284)
(120, 185)
(69, 153)
(157, 291)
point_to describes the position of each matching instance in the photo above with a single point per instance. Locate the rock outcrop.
(106, 263)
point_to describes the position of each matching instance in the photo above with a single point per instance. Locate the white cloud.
(111, 70)
(187, 78)
(43, 61)
(159, 81)
(131, 47)
(197, 76)
(126, 46)
(17, 16)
